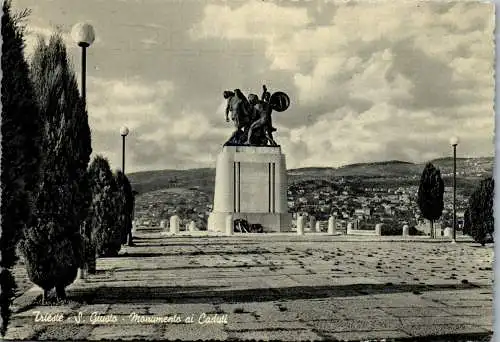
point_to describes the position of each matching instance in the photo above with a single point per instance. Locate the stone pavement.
(275, 286)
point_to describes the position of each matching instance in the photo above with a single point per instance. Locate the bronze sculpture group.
(252, 116)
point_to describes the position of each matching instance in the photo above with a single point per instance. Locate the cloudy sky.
(368, 81)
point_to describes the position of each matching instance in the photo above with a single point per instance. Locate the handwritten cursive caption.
(102, 318)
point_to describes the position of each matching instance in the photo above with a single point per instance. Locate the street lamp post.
(123, 132)
(454, 143)
(83, 34)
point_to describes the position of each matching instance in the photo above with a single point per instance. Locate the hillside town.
(344, 199)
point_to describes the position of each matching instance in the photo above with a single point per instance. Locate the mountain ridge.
(204, 178)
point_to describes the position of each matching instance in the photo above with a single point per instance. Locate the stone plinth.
(406, 230)
(251, 184)
(174, 224)
(300, 225)
(332, 226)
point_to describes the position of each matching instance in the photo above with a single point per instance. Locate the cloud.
(253, 20)
(375, 81)
(367, 80)
(162, 134)
(34, 32)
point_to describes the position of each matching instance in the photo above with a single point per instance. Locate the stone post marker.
(378, 229)
(349, 227)
(300, 225)
(406, 231)
(331, 225)
(163, 224)
(318, 227)
(192, 226)
(229, 225)
(312, 222)
(174, 224)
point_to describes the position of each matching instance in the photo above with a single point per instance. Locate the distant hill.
(146, 181)
(203, 179)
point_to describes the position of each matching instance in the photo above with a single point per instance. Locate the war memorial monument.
(251, 179)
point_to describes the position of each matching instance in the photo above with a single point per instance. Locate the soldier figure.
(241, 113)
(263, 111)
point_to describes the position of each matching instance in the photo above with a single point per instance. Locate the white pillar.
(192, 226)
(331, 225)
(406, 231)
(229, 225)
(300, 225)
(378, 229)
(318, 227)
(349, 227)
(174, 224)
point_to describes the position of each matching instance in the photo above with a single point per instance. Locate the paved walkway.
(278, 286)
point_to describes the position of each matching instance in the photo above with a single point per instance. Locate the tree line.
(58, 209)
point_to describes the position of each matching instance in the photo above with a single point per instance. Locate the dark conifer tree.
(21, 133)
(104, 214)
(481, 212)
(430, 194)
(125, 188)
(52, 245)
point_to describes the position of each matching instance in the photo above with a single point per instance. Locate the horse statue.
(252, 117)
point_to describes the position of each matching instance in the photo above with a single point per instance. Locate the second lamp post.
(454, 143)
(123, 132)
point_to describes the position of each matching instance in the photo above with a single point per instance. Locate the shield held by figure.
(279, 101)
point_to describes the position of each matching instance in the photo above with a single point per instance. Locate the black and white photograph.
(237, 170)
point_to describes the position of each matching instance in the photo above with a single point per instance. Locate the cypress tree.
(104, 214)
(125, 189)
(430, 194)
(481, 211)
(52, 245)
(21, 138)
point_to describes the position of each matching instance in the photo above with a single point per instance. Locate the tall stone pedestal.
(251, 184)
